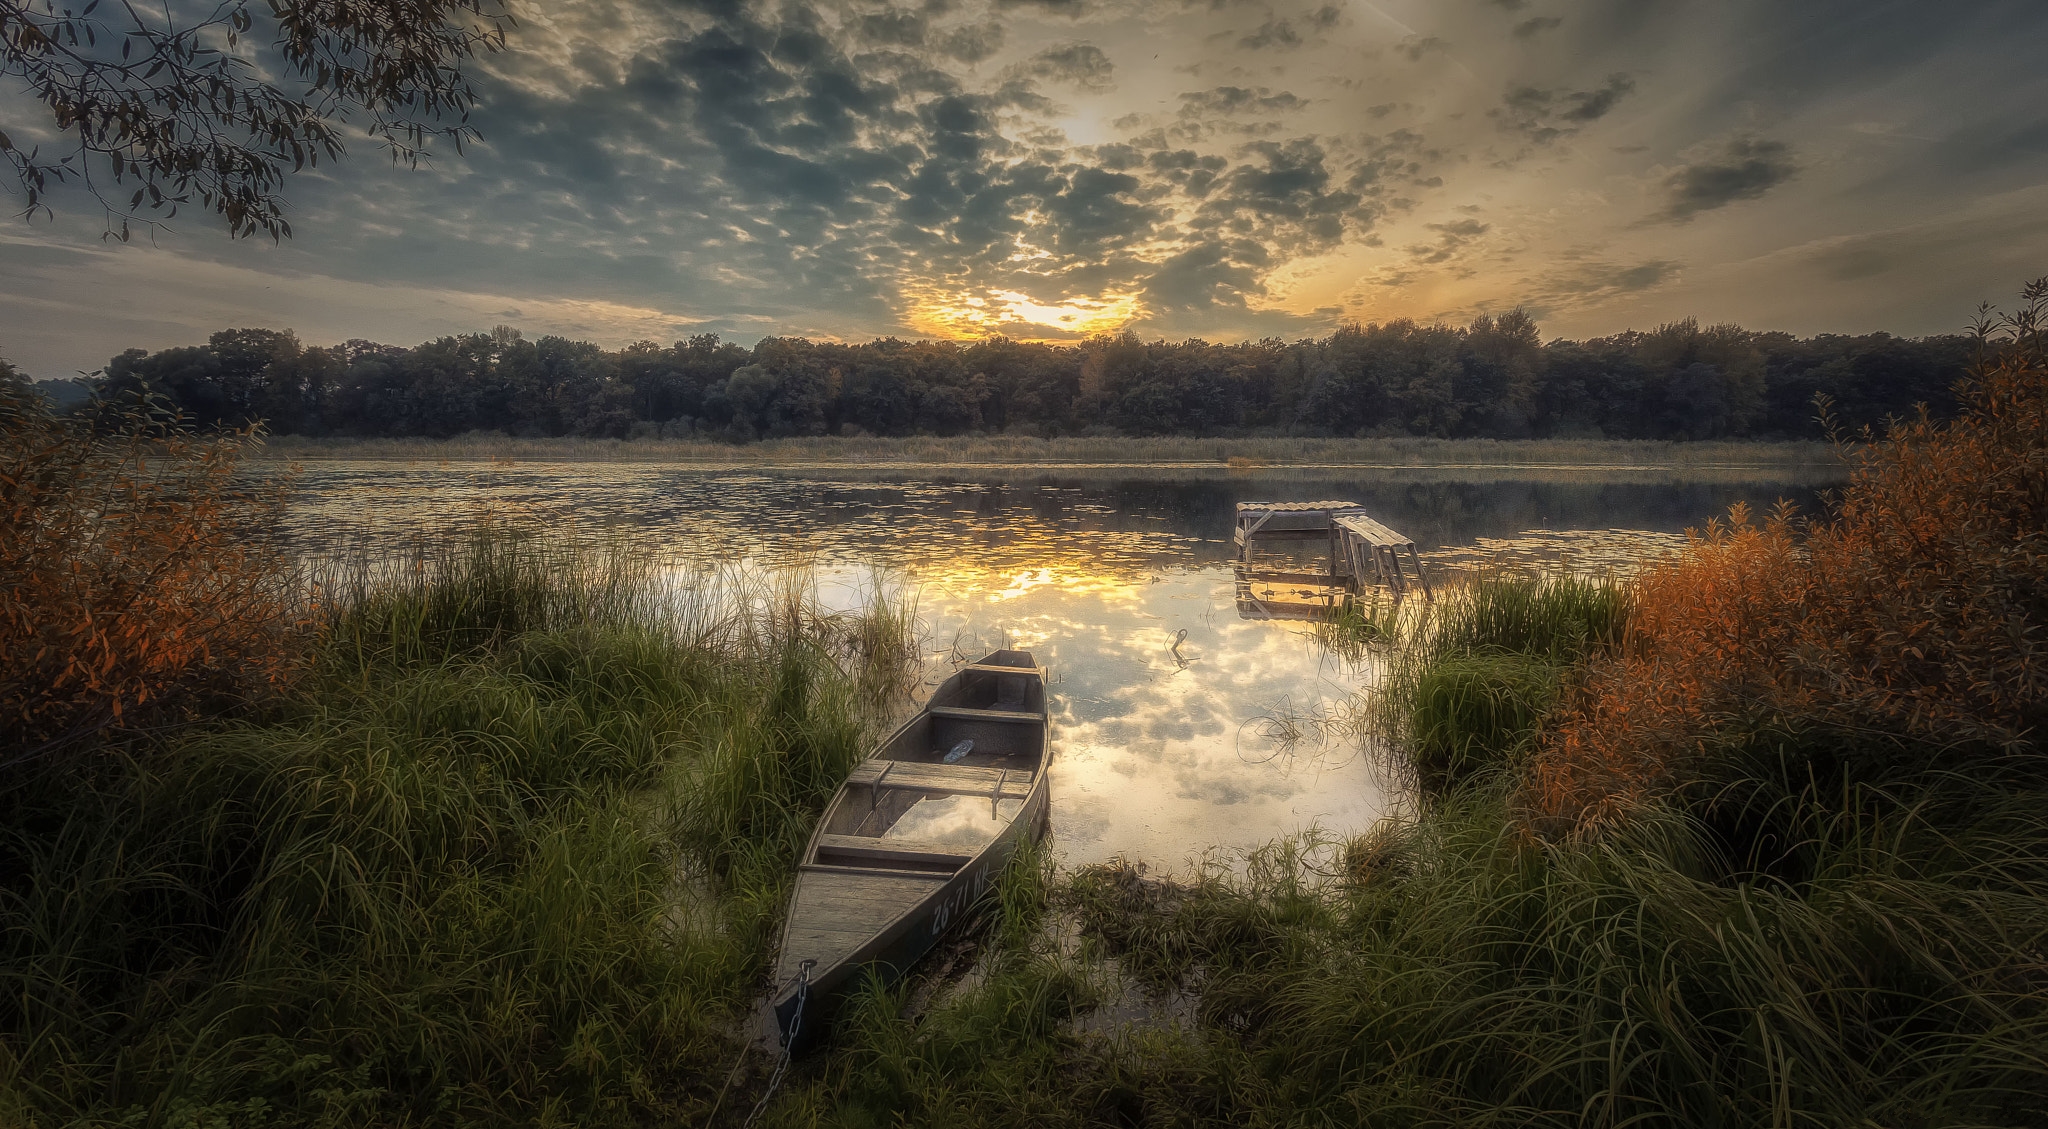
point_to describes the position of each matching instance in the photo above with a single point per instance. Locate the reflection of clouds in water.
(953, 821)
(1214, 789)
(1242, 739)
(1146, 751)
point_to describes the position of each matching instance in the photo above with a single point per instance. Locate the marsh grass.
(513, 852)
(1477, 977)
(1471, 677)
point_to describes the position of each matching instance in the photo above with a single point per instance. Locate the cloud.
(1742, 169)
(1451, 238)
(1081, 65)
(1283, 199)
(973, 42)
(1544, 116)
(1060, 7)
(1203, 277)
(1226, 100)
(1535, 26)
(893, 26)
(1601, 279)
(1415, 47)
(1272, 33)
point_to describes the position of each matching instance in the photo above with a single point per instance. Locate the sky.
(1047, 169)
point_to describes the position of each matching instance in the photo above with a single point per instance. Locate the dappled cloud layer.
(1225, 168)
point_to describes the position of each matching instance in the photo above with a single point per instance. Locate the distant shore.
(1244, 453)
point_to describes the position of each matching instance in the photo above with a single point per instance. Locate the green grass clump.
(1485, 978)
(1558, 618)
(1475, 674)
(513, 853)
(1468, 714)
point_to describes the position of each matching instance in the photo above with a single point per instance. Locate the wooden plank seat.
(872, 870)
(945, 779)
(865, 848)
(996, 668)
(964, 713)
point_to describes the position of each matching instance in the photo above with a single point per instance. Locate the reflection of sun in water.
(1024, 582)
(962, 580)
(1018, 314)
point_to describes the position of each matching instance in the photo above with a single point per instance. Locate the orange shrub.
(1917, 610)
(134, 575)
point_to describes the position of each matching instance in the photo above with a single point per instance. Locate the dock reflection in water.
(1167, 744)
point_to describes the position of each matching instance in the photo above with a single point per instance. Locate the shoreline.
(1003, 452)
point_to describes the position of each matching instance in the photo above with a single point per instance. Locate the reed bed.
(512, 851)
(1247, 453)
(1472, 677)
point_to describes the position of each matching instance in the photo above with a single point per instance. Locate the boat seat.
(964, 713)
(945, 779)
(1031, 671)
(868, 849)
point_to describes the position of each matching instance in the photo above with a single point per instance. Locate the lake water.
(1180, 728)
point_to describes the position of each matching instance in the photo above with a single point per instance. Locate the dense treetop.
(1495, 378)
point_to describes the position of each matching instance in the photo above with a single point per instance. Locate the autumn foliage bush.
(1913, 615)
(137, 579)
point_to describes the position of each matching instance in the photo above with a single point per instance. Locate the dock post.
(1421, 577)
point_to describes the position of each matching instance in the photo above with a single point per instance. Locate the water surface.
(1179, 727)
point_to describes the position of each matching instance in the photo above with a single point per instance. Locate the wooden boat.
(916, 835)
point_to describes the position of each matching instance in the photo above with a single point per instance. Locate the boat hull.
(890, 954)
(872, 903)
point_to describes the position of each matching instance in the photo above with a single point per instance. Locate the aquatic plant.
(1479, 977)
(1473, 675)
(986, 1054)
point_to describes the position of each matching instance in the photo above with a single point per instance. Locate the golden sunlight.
(1019, 315)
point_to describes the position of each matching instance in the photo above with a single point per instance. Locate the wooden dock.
(1354, 550)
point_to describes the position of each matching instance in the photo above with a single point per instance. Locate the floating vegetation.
(1575, 552)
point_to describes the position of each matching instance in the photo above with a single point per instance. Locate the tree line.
(1494, 378)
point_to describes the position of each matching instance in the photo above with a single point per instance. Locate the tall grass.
(1000, 1051)
(1485, 978)
(1472, 676)
(512, 852)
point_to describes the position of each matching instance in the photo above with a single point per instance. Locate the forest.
(1495, 378)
